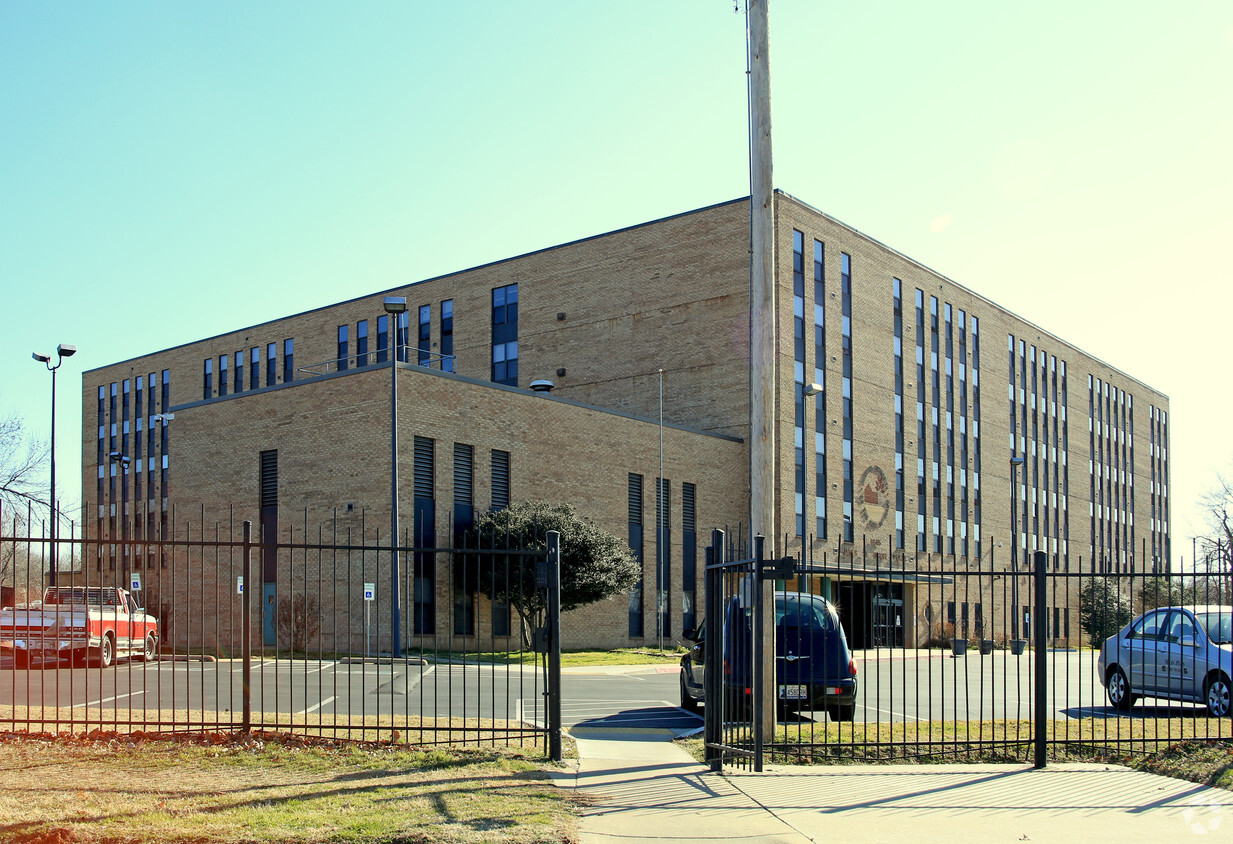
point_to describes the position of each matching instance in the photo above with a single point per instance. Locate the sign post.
(370, 594)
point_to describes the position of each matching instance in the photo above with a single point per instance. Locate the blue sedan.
(1172, 653)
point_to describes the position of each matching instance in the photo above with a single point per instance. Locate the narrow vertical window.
(239, 371)
(505, 335)
(819, 378)
(288, 360)
(689, 555)
(344, 352)
(635, 545)
(500, 480)
(845, 284)
(207, 379)
(798, 377)
(254, 367)
(663, 557)
(424, 337)
(222, 375)
(271, 364)
(383, 338)
(425, 536)
(361, 343)
(500, 500)
(447, 335)
(466, 575)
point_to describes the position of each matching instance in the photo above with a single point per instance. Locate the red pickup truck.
(94, 624)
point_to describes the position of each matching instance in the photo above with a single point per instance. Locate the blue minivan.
(814, 668)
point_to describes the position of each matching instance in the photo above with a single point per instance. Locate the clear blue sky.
(174, 170)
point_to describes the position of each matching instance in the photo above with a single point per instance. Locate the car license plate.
(792, 692)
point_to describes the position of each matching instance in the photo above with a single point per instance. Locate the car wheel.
(1118, 688)
(151, 645)
(688, 703)
(1216, 694)
(841, 712)
(105, 654)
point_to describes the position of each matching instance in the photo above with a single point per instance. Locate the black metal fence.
(990, 661)
(295, 633)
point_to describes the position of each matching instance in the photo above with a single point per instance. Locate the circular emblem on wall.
(874, 499)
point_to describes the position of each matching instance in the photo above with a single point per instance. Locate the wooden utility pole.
(762, 318)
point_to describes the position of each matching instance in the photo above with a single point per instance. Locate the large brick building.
(901, 398)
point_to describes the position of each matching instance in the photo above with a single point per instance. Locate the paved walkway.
(641, 787)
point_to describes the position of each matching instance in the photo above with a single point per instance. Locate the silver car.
(1175, 653)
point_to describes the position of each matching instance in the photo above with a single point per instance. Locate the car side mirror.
(1187, 641)
(690, 633)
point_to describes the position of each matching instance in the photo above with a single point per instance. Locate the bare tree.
(1214, 550)
(21, 462)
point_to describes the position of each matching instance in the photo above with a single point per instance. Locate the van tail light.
(852, 666)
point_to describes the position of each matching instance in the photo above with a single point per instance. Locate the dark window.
(271, 364)
(383, 338)
(207, 379)
(663, 561)
(500, 480)
(466, 572)
(254, 367)
(689, 555)
(424, 338)
(343, 352)
(222, 375)
(447, 335)
(288, 360)
(635, 545)
(239, 372)
(361, 343)
(424, 565)
(505, 335)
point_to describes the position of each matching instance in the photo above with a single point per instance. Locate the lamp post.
(1015, 462)
(63, 351)
(395, 306)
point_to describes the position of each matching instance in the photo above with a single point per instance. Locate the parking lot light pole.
(395, 306)
(1015, 462)
(63, 351)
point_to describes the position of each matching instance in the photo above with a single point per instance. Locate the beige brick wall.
(611, 311)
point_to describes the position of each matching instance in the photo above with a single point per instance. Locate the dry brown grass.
(109, 787)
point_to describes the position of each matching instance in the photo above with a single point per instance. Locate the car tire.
(1216, 692)
(688, 702)
(1118, 689)
(106, 653)
(841, 712)
(149, 648)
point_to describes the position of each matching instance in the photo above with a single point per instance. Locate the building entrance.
(871, 614)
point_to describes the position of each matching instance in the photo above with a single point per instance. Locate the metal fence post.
(1040, 619)
(246, 622)
(759, 690)
(554, 646)
(712, 678)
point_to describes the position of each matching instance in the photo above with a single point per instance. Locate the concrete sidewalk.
(643, 788)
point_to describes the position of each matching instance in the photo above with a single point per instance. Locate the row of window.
(1111, 469)
(1038, 394)
(424, 356)
(945, 417)
(233, 379)
(663, 560)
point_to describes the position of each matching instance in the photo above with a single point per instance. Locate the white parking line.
(316, 706)
(108, 699)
